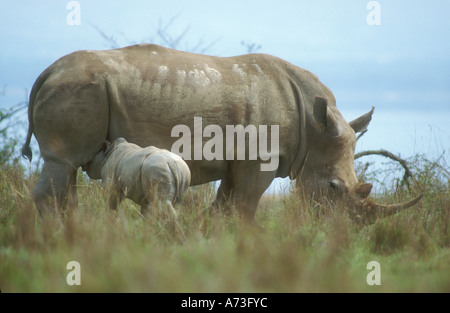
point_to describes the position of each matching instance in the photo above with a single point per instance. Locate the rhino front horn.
(387, 210)
(371, 211)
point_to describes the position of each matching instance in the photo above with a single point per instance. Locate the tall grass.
(296, 246)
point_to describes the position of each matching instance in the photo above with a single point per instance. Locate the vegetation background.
(298, 246)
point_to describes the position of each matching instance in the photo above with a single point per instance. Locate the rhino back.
(153, 89)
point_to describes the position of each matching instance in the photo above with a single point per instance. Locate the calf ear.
(360, 124)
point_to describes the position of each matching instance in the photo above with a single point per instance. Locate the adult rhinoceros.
(142, 92)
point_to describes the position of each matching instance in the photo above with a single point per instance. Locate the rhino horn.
(360, 124)
(387, 210)
(370, 211)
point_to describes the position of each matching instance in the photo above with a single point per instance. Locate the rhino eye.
(334, 184)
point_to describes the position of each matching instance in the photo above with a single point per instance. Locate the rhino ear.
(325, 118)
(360, 124)
(320, 112)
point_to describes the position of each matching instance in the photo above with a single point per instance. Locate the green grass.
(296, 247)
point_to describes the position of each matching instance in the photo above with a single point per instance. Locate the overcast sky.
(401, 66)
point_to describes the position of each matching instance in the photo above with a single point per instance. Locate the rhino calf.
(148, 176)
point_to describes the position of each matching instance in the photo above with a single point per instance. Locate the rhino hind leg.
(55, 189)
(160, 209)
(159, 201)
(169, 209)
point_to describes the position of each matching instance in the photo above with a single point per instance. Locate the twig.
(394, 157)
(363, 172)
(109, 39)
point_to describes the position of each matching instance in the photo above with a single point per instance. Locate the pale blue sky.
(402, 66)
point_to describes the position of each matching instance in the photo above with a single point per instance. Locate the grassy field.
(298, 247)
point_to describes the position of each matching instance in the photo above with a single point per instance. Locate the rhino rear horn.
(360, 124)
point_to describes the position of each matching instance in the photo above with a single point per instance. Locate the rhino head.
(328, 171)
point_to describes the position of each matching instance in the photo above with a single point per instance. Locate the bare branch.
(394, 157)
(251, 46)
(162, 35)
(109, 39)
(364, 170)
(200, 49)
(177, 40)
(168, 24)
(6, 116)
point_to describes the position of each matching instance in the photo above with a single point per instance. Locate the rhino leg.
(169, 209)
(249, 184)
(223, 196)
(113, 198)
(159, 198)
(160, 209)
(55, 188)
(242, 189)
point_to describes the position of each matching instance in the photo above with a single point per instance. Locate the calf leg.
(158, 198)
(113, 198)
(168, 209)
(159, 209)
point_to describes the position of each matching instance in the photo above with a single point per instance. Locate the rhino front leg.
(223, 197)
(55, 189)
(249, 184)
(242, 189)
(113, 197)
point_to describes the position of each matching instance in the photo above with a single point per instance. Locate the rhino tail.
(27, 153)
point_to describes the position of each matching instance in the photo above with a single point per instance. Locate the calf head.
(94, 168)
(328, 172)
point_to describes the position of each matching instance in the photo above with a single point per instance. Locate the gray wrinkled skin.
(141, 92)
